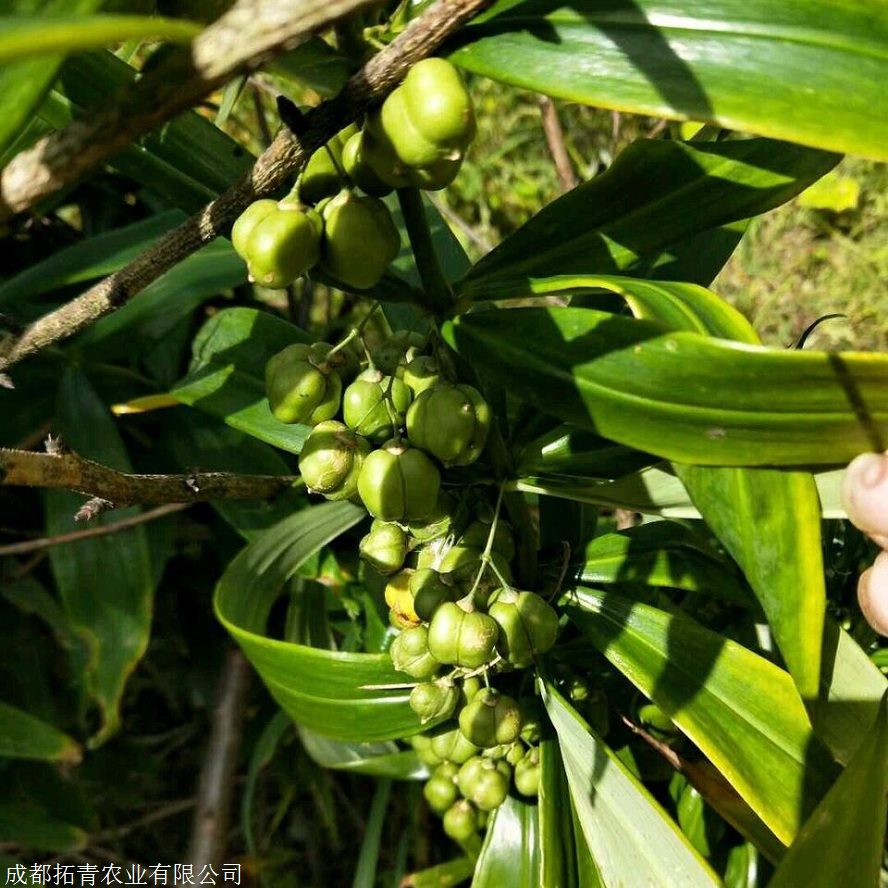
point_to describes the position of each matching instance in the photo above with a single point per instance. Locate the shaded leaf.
(105, 583)
(376, 759)
(37, 830)
(809, 72)
(842, 842)
(24, 736)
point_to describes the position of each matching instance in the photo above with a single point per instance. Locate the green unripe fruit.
(429, 592)
(461, 638)
(384, 548)
(398, 483)
(359, 169)
(380, 156)
(490, 790)
(528, 625)
(435, 177)
(331, 460)
(438, 523)
(439, 104)
(401, 347)
(461, 821)
(440, 792)
(476, 534)
(472, 777)
(491, 719)
(470, 687)
(247, 221)
(410, 653)
(360, 240)
(432, 700)
(364, 405)
(422, 373)
(657, 723)
(527, 773)
(451, 422)
(283, 245)
(422, 746)
(449, 743)
(300, 386)
(531, 719)
(412, 147)
(320, 178)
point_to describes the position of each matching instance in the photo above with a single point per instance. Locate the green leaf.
(742, 711)
(842, 842)
(105, 582)
(630, 219)
(444, 875)
(368, 857)
(314, 64)
(36, 830)
(24, 736)
(565, 858)
(153, 314)
(188, 160)
(681, 395)
(334, 693)
(24, 84)
(376, 759)
(23, 37)
(769, 521)
(661, 553)
(511, 851)
(227, 373)
(810, 71)
(632, 839)
(91, 258)
(853, 687)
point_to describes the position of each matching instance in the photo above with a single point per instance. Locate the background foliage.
(114, 644)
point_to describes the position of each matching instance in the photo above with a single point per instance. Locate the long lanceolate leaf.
(682, 396)
(635, 219)
(340, 695)
(809, 71)
(768, 520)
(740, 709)
(632, 840)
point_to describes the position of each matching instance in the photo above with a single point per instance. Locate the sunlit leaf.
(632, 839)
(510, 854)
(635, 217)
(227, 373)
(376, 759)
(810, 71)
(681, 395)
(741, 710)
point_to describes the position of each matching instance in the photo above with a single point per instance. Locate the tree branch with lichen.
(284, 158)
(240, 41)
(68, 471)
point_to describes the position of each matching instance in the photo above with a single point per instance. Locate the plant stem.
(439, 296)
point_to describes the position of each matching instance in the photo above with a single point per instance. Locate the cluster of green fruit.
(351, 239)
(386, 436)
(464, 626)
(417, 138)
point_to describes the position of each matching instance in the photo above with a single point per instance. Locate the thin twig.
(69, 471)
(212, 815)
(241, 40)
(555, 140)
(101, 530)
